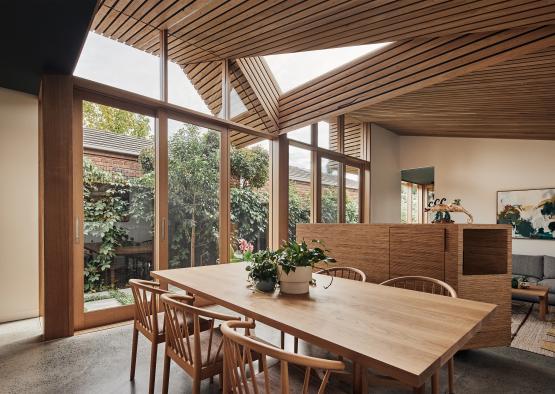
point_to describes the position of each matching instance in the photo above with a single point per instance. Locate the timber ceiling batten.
(513, 99)
(404, 68)
(202, 31)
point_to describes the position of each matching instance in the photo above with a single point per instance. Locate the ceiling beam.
(260, 78)
(402, 68)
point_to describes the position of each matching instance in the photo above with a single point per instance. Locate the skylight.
(294, 69)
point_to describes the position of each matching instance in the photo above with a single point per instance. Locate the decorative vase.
(295, 282)
(266, 286)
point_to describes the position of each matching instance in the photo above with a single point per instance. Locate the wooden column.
(161, 192)
(61, 228)
(316, 191)
(225, 170)
(279, 184)
(164, 65)
(341, 175)
(225, 204)
(366, 175)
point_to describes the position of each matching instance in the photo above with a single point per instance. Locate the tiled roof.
(298, 174)
(108, 141)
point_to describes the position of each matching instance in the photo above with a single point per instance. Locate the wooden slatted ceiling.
(214, 30)
(403, 68)
(514, 99)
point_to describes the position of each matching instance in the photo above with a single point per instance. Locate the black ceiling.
(38, 36)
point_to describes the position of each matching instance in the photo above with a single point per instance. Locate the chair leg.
(451, 370)
(166, 378)
(196, 385)
(134, 353)
(283, 340)
(296, 345)
(153, 354)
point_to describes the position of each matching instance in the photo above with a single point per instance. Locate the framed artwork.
(531, 212)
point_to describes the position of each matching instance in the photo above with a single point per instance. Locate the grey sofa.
(537, 269)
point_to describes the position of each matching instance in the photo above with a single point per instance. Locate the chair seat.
(296, 381)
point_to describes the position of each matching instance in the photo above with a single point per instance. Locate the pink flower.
(245, 246)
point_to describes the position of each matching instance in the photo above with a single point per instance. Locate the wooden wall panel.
(57, 133)
(417, 250)
(365, 247)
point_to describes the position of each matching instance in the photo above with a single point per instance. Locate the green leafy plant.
(292, 255)
(263, 267)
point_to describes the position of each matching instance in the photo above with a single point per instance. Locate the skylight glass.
(294, 69)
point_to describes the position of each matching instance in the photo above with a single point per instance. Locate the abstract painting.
(530, 212)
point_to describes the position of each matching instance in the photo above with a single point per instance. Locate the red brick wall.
(128, 166)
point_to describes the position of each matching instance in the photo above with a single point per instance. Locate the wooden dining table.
(403, 334)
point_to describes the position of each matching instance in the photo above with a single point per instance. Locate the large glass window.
(249, 198)
(193, 195)
(113, 63)
(118, 203)
(300, 188)
(329, 177)
(352, 194)
(304, 134)
(324, 135)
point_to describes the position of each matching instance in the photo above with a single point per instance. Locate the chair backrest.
(190, 350)
(240, 375)
(344, 272)
(423, 284)
(146, 295)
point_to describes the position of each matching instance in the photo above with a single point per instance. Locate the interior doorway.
(417, 189)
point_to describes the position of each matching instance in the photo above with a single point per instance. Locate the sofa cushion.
(548, 283)
(528, 265)
(549, 267)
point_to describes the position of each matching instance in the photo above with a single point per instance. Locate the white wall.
(474, 169)
(386, 176)
(19, 288)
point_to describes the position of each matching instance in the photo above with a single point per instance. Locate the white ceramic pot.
(295, 282)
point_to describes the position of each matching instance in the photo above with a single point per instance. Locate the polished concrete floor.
(98, 362)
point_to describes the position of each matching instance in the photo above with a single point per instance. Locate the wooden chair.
(200, 352)
(433, 286)
(345, 273)
(148, 321)
(240, 376)
(336, 272)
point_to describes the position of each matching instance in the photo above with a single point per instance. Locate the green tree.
(102, 117)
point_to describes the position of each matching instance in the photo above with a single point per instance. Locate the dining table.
(403, 334)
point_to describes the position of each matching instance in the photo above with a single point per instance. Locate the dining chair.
(336, 272)
(284, 375)
(199, 352)
(148, 321)
(433, 286)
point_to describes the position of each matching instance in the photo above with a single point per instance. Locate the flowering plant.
(244, 253)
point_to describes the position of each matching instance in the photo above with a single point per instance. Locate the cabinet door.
(417, 250)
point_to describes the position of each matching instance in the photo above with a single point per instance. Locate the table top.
(402, 333)
(533, 290)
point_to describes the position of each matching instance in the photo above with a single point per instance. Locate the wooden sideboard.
(473, 258)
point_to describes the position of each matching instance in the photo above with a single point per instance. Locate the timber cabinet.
(475, 259)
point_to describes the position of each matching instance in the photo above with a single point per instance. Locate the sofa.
(538, 270)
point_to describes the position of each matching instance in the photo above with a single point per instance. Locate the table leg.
(543, 307)
(360, 381)
(435, 383)
(419, 390)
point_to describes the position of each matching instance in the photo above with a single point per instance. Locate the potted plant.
(295, 262)
(262, 270)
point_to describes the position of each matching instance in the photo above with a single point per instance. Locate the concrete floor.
(98, 362)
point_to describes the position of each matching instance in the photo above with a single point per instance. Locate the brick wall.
(128, 166)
